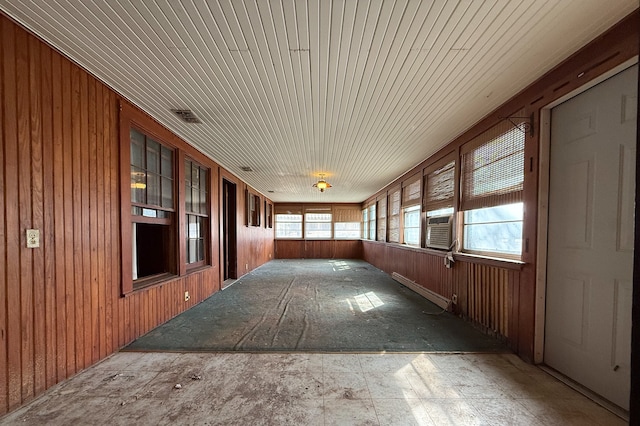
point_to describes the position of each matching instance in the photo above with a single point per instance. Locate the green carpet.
(317, 306)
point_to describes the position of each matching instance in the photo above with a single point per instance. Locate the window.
(152, 208)
(288, 225)
(365, 224)
(411, 226)
(411, 209)
(346, 230)
(346, 222)
(317, 225)
(394, 216)
(494, 229)
(491, 191)
(196, 199)
(253, 208)
(382, 218)
(268, 215)
(440, 186)
(372, 222)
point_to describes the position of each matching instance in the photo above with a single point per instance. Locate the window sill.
(487, 260)
(161, 279)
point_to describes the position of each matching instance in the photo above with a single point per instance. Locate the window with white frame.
(365, 223)
(381, 221)
(411, 225)
(288, 225)
(492, 182)
(317, 225)
(346, 222)
(372, 222)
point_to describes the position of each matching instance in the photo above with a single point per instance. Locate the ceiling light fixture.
(322, 184)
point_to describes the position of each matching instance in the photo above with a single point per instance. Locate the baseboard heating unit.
(433, 297)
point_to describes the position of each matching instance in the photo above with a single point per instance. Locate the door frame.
(228, 230)
(543, 203)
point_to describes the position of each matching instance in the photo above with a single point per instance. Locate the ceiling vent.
(186, 115)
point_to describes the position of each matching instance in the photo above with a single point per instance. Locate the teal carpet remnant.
(317, 306)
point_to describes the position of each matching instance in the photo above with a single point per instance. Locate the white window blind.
(493, 167)
(382, 218)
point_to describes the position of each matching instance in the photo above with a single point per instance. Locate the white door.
(590, 241)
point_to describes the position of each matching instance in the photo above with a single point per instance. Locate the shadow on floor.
(317, 306)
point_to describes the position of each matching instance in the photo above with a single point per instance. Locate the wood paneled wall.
(485, 293)
(503, 299)
(318, 249)
(61, 308)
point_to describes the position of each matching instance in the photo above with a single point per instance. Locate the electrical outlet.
(246, 266)
(454, 299)
(33, 238)
(186, 296)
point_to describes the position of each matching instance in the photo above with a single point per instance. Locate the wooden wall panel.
(59, 154)
(318, 249)
(486, 293)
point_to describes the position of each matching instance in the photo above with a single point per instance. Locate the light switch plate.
(33, 238)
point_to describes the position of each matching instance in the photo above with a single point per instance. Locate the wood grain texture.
(60, 162)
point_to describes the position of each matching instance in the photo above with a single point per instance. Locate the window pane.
(317, 230)
(167, 162)
(137, 148)
(494, 229)
(288, 226)
(153, 189)
(412, 225)
(347, 230)
(195, 199)
(153, 156)
(440, 212)
(138, 185)
(167, 193)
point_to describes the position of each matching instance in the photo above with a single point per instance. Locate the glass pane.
(440, 212)
(203, 202)
(494, 237)
(412, 236)
(188, 205)
(200, 249)
(138, 185)
(288, 229)
(153, 189)
(167, 162)
(167, 193)
(192, 251)
(153, 156)
(509, 212)
(195, 199)
(187, 173)
(288, 218)
(203, 179)
(195, 175)
(347, 230)
(137, 148)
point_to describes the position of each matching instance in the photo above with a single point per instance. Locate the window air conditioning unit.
(439, 231)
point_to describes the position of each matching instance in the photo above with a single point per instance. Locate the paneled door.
(590, 241)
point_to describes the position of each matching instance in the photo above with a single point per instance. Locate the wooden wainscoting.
(487, 295)
(318, 249)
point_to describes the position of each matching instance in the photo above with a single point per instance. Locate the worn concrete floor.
(131, 388)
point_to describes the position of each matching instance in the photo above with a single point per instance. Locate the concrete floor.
(311, 389)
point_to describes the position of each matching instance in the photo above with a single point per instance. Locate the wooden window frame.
(131, 117)
(207, 226)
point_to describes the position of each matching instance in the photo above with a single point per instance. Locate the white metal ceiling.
(358, 90)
